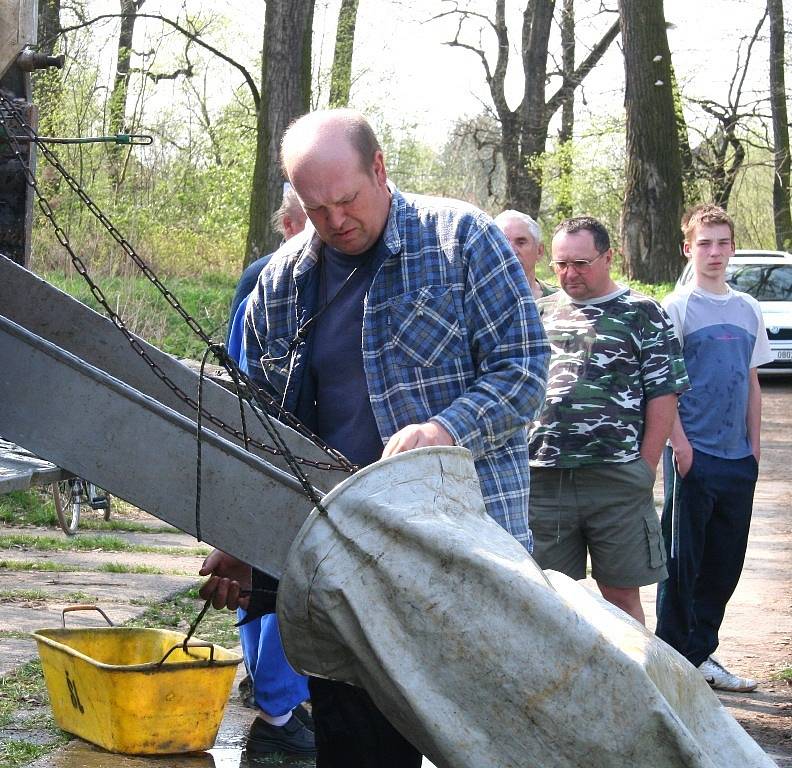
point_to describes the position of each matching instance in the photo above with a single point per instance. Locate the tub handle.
(70, 608)
(184, 646)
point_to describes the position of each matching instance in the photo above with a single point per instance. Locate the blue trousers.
(705, 522)
(277, 688)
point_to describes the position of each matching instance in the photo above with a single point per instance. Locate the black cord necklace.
(304, 329)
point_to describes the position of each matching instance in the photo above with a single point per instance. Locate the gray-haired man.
(525, 237)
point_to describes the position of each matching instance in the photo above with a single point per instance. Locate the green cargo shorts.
(606, 510)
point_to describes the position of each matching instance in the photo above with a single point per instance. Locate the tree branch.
(190, 35)
(571, 82)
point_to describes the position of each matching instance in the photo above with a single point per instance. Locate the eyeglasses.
(580, 265)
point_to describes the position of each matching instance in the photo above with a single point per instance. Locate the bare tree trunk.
(118, 99)
(524, 130)
(341, 74)
(117, 105)
(285, 95)
(48, 25)
(564, 204)
(525, 180)
(48, 83)
(782, 215)
(653, 192)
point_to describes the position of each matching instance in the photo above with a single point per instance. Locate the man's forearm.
(495, 406)
(661, 415)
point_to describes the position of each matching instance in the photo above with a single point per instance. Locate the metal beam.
(55, 316)
(77, 416)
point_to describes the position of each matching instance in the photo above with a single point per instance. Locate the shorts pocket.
(654, 540)
(650, 473)
(424, 327)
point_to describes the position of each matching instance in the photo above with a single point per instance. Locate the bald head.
(334, 162)
(315, 130)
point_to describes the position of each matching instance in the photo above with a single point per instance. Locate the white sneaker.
(719, 677)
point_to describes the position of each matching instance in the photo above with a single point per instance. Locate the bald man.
(414, 326)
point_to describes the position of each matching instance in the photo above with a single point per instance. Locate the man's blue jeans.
(277, 688)
(706, 517)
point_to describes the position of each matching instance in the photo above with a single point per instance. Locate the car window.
(767, 282)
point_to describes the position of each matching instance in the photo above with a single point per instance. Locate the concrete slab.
(16, 652)
(97, 586)
(93, 559)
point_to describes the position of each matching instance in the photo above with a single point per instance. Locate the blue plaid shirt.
(450, 333)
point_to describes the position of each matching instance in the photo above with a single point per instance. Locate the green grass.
(784, 674)
(91, 543)
(658, 292)
(146, 312)
(36, 507)
(24, 687)
(180, 611)
(23, 595)
(15, 753)
(36, 565)
(125, 526)
(80, 597)
(32, 507)
(47, 566)
(121, 568)
(24, 702)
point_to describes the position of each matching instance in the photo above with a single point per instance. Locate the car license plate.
(784, 354)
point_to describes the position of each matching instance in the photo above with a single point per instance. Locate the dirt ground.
(756, 637)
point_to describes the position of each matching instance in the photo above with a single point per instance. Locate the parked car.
(767, 276)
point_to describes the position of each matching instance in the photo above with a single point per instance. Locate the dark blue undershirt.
(343, 417)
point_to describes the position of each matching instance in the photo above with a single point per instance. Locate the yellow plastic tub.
(136, 691)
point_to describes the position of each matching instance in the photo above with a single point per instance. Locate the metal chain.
(249, 391)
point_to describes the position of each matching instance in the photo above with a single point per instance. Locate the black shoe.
(293, 738)
(303, 714)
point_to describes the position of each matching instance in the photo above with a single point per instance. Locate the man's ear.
(686, 249)
(379, 167)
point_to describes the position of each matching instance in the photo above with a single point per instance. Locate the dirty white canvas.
(407, 588)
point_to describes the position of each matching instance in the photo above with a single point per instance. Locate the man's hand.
(417, 436)
(227, 578)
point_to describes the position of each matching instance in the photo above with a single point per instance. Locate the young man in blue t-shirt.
(711, 466)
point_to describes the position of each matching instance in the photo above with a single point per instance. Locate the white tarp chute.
(408, 589)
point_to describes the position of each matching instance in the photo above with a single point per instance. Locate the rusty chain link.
(261, 403)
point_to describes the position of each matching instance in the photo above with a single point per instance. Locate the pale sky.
(403, 68)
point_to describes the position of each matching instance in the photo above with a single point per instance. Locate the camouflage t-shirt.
(607, 359)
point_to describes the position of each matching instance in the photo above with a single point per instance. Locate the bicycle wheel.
(68, 497)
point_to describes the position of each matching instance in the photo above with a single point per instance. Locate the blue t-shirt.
(723, 337)
(343, 416)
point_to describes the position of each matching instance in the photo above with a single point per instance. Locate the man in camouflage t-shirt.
(616, 369)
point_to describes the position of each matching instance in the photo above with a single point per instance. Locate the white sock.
(276, 721)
